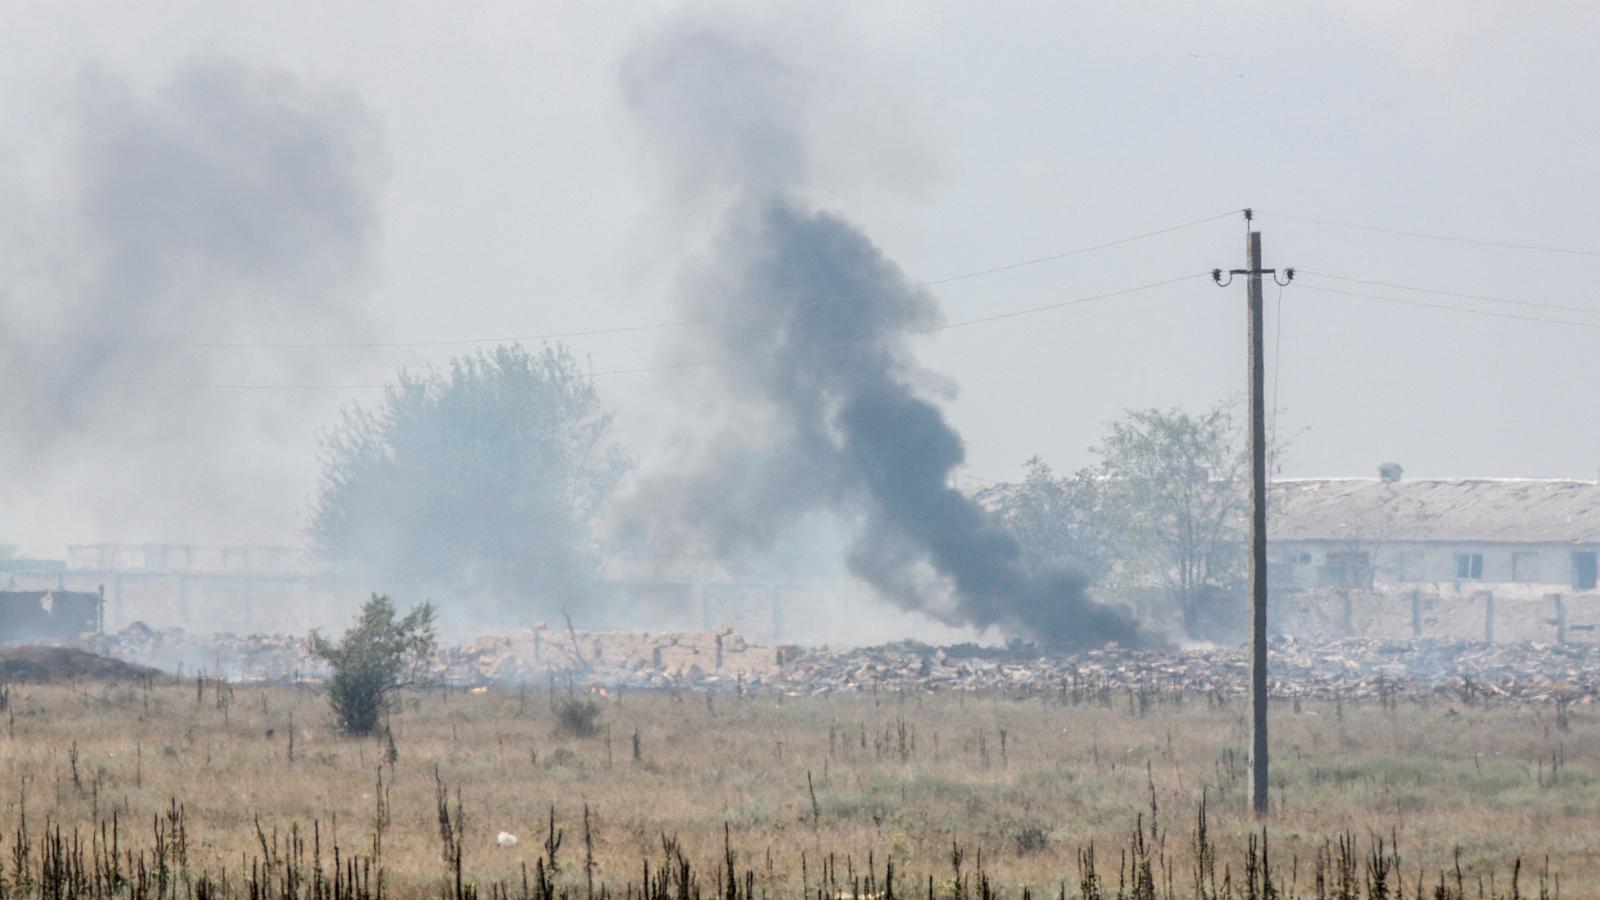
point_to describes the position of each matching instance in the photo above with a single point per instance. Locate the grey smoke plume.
(231, 204)
(827, 413)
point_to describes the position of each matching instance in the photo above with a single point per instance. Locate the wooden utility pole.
(1256, 369)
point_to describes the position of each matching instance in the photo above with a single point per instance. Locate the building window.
(1583, 570)
(1469, 566)
(1347, 570)
(1525, 566)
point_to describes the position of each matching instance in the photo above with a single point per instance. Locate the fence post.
(1349, 614)
(1488, 617)
(1561, 618)
(1416, 614)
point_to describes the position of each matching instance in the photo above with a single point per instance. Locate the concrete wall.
(1486, 612)
(30, 615)
(1302, 565)
(207, 603)
(188, 559)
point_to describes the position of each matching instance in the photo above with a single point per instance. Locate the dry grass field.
(811, 794)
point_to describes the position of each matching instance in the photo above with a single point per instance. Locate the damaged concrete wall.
(200, 602)
(1465, 612)
(31, 615)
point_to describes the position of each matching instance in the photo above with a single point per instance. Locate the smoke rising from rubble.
(229, 204)
(825, 410)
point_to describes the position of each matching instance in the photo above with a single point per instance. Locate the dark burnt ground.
(33, 664)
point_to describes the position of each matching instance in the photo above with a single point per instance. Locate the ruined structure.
(35, 615)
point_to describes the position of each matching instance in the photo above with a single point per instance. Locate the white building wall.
(1304, 564)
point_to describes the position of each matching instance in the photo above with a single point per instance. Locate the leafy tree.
(378, 656)
(1176, 495)
(1058, 520)
(484, 476)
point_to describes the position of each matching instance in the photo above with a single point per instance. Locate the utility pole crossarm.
(1216, 274)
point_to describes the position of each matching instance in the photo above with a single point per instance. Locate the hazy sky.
(497, 185)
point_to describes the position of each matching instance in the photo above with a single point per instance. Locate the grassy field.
(810, 793)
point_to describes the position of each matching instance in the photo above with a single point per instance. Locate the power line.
(1048, 307)
(1108, 244)
(1277, 362)
(932, 329)
(589, 332)
(1585, 310)
(1448, 308)
(1433, 237)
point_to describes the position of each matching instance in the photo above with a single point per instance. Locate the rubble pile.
(634, 658)
(1350, 669)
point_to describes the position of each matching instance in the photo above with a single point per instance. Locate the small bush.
(1029, 839)
(378, 656)
(562, 758)
(578, 717)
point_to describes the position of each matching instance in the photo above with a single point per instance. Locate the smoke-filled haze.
(809, 326)
(221, 174)
(229, 204)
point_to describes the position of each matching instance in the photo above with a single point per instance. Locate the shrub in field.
(378, 656)
(563, 758)
(1030, 838)
(579, 717)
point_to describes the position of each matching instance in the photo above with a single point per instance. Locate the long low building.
(1517, 534)
(1457, 558)
(1454, 558)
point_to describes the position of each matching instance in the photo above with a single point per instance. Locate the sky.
(447, 172)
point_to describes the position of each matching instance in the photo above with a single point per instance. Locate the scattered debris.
(721, 659)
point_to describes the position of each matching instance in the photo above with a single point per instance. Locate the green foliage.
(578, 716)
(1058, 520)
(378, 656)
(1164, 508)
(485, 475)
(1176, 498)
(563, 758)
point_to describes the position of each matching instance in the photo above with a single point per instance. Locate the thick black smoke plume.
(828, 412)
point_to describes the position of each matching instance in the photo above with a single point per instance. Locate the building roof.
(1490, 510)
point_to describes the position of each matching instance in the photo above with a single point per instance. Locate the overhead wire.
(1584, 310)
(948, 326)
(1455, 239)
(1447, 307)
(591, 332)
(1277, 360)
